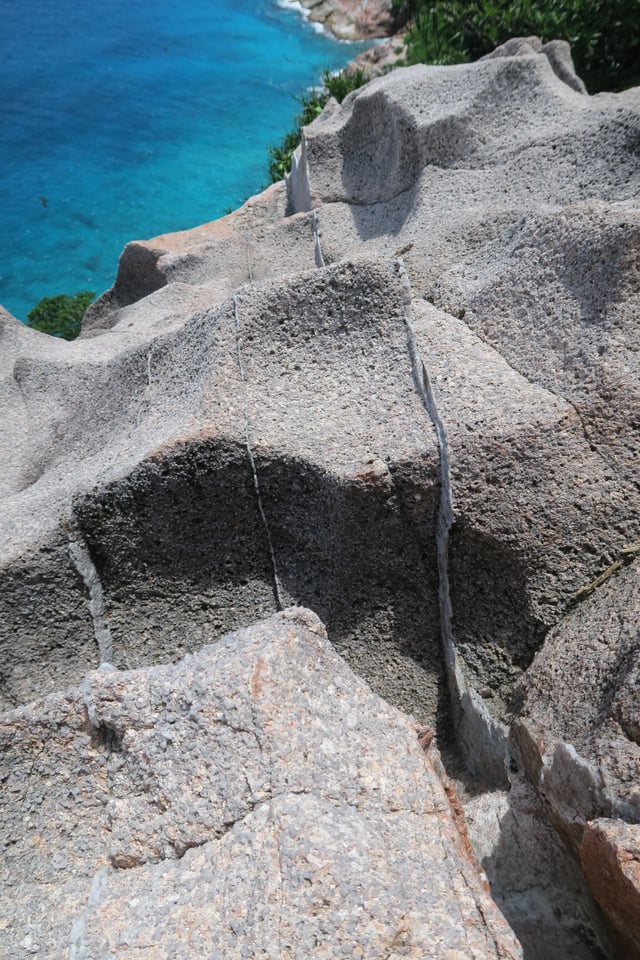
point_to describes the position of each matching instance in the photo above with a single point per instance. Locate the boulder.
(256, 798)
(534, 506)
(577, 731)
(586, 259)
(511, 196)
(536, 881)
(582, 690)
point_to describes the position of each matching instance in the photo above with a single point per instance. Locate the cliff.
(400, 390)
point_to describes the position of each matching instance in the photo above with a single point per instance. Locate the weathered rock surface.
(610, 857)
(270, 450)
(578, 734)
(269, 410)
(254, 799)
(451, 166)
(536, 881)
(582, 689)
(534, 505)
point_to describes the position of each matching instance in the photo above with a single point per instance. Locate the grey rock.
(535, 880)
(181, 273)
(577, 710)
(585, 259)
(610, 857)
(510, 194)
(444, 160)
(155, 439)
(254, 798)
(535, 508)
(582, 690)
(447, 167)
(558, 53)
(276, 409)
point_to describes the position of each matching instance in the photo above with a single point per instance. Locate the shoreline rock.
(351, 19)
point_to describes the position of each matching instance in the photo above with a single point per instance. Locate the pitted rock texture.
(578, 735)
(147, 463)
(243, 423)
(541, 504)
(532, 501)
(586, 258)
(582, 689)
(512, 197)
(256, 798)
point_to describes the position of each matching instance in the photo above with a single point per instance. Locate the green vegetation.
(603, 33)
(312, 103)
(60, 316)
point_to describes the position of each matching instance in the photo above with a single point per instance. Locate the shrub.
(60, 316)
(603, 36)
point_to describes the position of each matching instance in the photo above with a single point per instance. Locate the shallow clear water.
(120, 120)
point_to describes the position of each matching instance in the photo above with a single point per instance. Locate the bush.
(603, 35)
(60, 316)
(313, 103)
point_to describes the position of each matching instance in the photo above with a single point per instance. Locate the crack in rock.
(483, 739)
(277, 590)
(81, 557)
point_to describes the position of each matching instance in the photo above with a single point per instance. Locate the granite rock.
(400, 389)
(511, 195)
(535, 507)
(269, 450)
(582, 690)
(577, 732)
(610, 857)
(254, 798)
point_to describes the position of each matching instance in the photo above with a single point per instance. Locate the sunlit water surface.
(122, 120)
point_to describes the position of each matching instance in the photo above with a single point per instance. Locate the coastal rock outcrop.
(254, 799)
(350, 19)
(400, 390)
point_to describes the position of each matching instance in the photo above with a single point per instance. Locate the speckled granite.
(256, 799)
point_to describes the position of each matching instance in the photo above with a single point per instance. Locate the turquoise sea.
(120, 120)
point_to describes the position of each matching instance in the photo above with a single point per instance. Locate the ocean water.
(121, 120)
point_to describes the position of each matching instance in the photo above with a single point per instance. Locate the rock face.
(578, 733)
(254, 799)
(270, 448)
(402, 391)
(582, 689)
(465, 172)
(610, 856)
